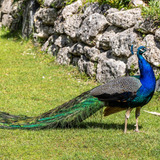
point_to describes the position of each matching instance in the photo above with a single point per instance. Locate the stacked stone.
(95, 38)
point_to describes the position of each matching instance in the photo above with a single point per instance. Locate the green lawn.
(32, 83)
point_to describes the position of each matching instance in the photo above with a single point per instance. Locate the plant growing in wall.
(152, 11)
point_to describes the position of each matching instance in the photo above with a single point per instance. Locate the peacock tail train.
(66, 115)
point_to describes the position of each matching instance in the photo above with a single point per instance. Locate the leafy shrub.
(152, 11)
(116, 3)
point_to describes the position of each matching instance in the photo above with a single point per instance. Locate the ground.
(32, 83)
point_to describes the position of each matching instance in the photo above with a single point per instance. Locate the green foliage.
(132, 70)
(118, 3)
(152, 11)
(70, 2)
(158, 76)
(41, 2)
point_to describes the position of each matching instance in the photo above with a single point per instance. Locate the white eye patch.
(142, 50)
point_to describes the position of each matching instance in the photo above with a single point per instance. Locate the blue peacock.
(123, 93)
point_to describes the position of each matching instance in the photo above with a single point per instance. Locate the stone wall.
(95, 38)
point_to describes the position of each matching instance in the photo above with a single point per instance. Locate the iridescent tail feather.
(68, 114)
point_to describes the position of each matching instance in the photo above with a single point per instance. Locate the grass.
(32, 83)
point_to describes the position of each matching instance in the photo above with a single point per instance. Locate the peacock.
(123, 93)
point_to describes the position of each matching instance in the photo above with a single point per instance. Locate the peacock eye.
(142, 49)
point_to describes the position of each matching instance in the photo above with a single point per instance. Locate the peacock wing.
(120, 88)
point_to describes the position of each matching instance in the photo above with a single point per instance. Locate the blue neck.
(147, 76)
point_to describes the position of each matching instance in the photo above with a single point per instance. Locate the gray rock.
(112, 10)
(91, 53)
(75, 61)
(108, 69)
(157, 34)
(77, 49)
(59, 25)
(145, 26)
(124, 19)
(90, 69)
(121, 42)
(54, 3)
(91, 26)
(49, 46)
(69, 10)
(153, 55)
(6, 6)
(63, 56)
(91, 8)
(7, 20)
(86, 66)
(43, 31)
(12, 13)
(72, 24)
(82, 63)
(52, 50)
(103, 56)
(95, 7)
(46, 15)
(54, 42)
(63, 41)
(50, 41)
(103, 40)
(158, 86)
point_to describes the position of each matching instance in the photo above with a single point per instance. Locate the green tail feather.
(67, 114)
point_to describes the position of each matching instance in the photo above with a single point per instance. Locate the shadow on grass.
(106, 126)
(85, 125)
(16, 35)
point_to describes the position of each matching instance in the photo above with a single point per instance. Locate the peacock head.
(140, 50)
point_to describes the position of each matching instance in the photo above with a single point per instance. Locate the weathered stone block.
(72, 24)
(69, 10)
(145, 26)
(59, 25)
(86, 66)
(91, 26)
(46, 15)
(108, 69)
(153, 55)
(105, 38)
(43, 31)
(124, 19)
(91, 53)
(158, 86)
(7, 20)
(121, 42)
(63, 56)
(54, 3)
(77, 49)
(6, 6)
(157, 34)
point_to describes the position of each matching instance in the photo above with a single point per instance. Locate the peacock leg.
(126, 118)
(137, 115)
